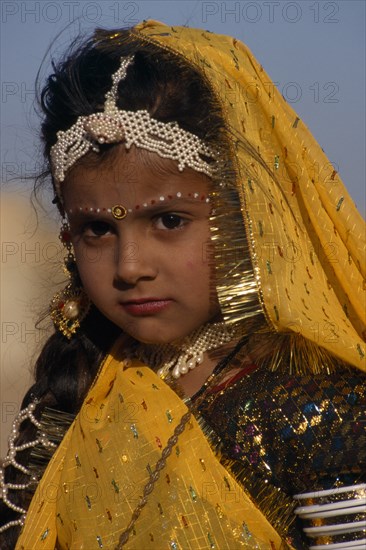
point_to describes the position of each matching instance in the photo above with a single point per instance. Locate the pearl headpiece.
(138, 128)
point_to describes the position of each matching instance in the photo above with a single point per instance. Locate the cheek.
(90, 278)
(196, 268)
(199, 274)
(198, 258)
(90, 267)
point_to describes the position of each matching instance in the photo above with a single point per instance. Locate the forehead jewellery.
(138, 128)
(119, 212)
(113, 125)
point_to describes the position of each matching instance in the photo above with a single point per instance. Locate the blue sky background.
(314, 50)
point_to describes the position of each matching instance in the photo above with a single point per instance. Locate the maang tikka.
(138, 128)
(69, 306)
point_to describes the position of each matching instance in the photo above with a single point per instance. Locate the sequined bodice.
(294, 432)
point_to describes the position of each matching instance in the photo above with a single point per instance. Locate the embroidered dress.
(269, 436)
(93, 482)
(289, 257)
(280, 435)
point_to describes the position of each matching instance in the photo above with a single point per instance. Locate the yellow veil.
(94, 480)
(304, 235)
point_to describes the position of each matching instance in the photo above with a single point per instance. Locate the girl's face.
(149, 273)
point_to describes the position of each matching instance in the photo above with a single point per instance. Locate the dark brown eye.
(171, 221)
(97, 228)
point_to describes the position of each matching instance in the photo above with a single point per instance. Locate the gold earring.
(69, 306)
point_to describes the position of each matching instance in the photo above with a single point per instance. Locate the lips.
(145, 306)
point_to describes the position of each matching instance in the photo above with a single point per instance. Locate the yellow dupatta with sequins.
(289, 242)
(93, 482)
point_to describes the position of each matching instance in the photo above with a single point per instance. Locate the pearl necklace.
(184, 355)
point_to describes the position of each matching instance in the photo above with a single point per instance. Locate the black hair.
(171, 90)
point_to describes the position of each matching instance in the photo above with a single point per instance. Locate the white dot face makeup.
(148, 272)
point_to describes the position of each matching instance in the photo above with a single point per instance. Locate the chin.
(158, 336)
(154, 330)
(160, 340)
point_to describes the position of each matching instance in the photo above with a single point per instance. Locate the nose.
(134, 260)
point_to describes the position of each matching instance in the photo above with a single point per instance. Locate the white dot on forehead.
(199, 197)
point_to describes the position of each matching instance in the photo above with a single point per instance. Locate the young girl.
(204, 385)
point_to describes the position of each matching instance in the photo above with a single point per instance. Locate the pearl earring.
(70, 306)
